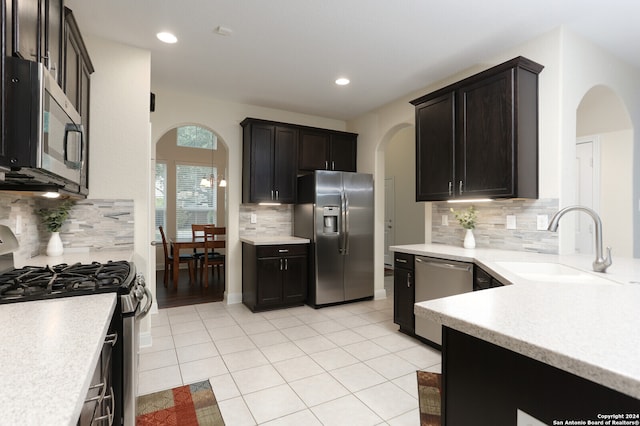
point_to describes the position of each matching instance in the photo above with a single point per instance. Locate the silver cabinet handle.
(409, 280)
(286, 264)
(281, 260)
(450, 188)
(110, 412)
(333, 165)
(401, 260)
(111, 339)
(277, 194)
(283, 251)
(460, 187)
(326, 165)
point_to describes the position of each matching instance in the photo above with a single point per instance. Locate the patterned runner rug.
(189, 405)
(430, 398)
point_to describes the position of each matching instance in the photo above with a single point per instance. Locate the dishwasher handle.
(445, 265)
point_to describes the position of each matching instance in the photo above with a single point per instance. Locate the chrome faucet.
(601, 263)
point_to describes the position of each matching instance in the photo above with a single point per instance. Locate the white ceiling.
(286, 54)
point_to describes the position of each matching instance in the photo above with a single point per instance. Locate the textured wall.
(93, 225)
(272, 220)
(491, 230)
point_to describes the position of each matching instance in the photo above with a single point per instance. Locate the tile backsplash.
(270, 220)
(93, 225)
(491, 230)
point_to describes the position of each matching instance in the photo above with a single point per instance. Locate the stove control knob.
(138, 292)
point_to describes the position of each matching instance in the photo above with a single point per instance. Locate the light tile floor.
(341, 365)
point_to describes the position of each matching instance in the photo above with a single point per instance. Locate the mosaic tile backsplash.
(271, 220)
(93, 225)
(491, 230)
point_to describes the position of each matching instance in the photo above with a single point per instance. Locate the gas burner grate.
(33, 282)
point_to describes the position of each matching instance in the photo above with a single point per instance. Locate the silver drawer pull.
(401, 260)
(110, 412)
(111, 339)
(283, 251)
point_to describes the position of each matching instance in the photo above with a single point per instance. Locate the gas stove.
(63, 280)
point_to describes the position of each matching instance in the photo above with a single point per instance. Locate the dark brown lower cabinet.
(485, 384)
(404, 292)
(274, 276)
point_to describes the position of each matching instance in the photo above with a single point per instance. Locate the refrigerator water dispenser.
(330, 219)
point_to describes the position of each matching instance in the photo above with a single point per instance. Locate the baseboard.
(233, 298)
(380, 294)
(145, 339)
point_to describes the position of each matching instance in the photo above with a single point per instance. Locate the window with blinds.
(196, 193)
(161, 198)
(196, 137)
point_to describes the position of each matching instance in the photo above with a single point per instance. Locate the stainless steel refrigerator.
(335, 211)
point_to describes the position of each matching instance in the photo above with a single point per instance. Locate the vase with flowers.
(53, 219)
(467, 219)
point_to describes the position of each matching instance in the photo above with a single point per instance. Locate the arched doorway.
(604, 165)
(190, 170)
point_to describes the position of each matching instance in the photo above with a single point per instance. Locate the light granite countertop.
(50, 349)
(274, 240)
(590, 329)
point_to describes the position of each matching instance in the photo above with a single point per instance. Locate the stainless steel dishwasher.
(436, 278)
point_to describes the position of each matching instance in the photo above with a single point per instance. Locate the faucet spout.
(602, 261)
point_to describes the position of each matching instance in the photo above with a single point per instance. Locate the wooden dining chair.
(197, 234)
(168, 260)
(214, 239)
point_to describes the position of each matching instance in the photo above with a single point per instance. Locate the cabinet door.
(285, 164)
(314, 150)
(435, 126)
(85, 86)
(261, 167)
(52, 37)
(294, 280)
(485, 147)
(403, 298)
(343, 152)
(25, 19)
(269, 273)
(71, 68)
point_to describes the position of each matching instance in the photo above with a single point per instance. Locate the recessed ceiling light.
(342, 81)
(166, 37)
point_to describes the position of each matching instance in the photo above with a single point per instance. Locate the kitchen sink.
(552, 272)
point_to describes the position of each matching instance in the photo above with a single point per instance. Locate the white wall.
(400, 163)
(178, 108)
(119, 136)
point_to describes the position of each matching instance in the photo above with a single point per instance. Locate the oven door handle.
(143, 313)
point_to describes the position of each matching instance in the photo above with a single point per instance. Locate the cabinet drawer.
(281, 250)
(403, 260)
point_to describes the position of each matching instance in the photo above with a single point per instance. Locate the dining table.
(198, 242)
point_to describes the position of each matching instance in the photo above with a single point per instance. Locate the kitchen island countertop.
(588, 329)
(50, 349)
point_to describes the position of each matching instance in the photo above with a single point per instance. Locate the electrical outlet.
(542, 222)
(511, 221)
(445, 220)
(254, 218)
(18, 225)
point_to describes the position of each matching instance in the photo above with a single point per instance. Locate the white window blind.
(161, 198)
(196, 193)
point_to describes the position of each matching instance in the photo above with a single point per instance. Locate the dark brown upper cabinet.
(269, 169)
(479, 137)
(34, 32)
(327, 150)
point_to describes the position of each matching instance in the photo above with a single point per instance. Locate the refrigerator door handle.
(341, 237)
(346, 224)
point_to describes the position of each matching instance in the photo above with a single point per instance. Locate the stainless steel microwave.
(44, 145)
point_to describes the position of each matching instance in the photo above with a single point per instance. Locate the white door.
(389, 218)
(587, 191)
